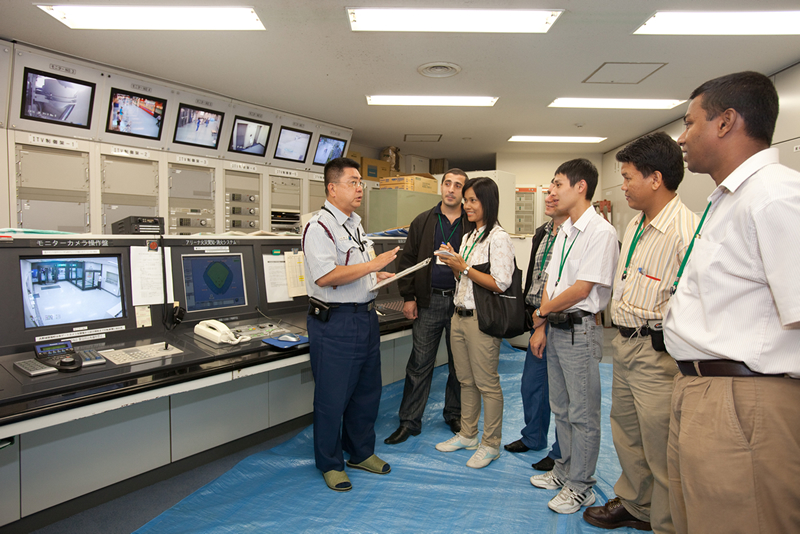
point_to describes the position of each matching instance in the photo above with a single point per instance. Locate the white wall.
(533, 170)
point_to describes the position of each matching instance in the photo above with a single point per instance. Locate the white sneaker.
(569, 502)
(547, 480)
(458, 442)
(483, 457)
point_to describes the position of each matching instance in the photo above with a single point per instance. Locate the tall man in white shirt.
(734, 323)
(579, 279)
(655, 243)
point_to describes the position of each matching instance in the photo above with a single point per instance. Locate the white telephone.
(218, 332)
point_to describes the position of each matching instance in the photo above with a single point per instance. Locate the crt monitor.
(198, 126)
(135, 115)
(213, 281)
(69, 290)
(292, 145)
(57, 99)
(249, 137)
(328, 148)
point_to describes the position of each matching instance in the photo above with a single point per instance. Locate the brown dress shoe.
(613, 515)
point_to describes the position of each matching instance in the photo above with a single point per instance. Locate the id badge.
(619, 289)
(371, 253)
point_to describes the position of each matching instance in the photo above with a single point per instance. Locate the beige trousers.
(734, 455)
(640, 400)
(475, 356)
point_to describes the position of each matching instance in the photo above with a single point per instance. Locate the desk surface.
(23, 397)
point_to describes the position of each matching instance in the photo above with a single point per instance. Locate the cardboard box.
(374, 169)
(421, 183)
(352, 154)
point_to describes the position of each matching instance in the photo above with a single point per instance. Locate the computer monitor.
(57, 99)
(249, 136)
(135, 115)
(213, 281)
(292, 145)
(71, 289)
(328, 148)
(198, 127)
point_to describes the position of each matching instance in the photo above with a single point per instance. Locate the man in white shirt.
(579, 279)
(734, 323)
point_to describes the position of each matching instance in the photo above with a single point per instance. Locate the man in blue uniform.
(341, 268)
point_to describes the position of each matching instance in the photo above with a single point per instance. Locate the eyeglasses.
(355, 184)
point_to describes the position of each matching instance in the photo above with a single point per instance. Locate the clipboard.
(401, 274)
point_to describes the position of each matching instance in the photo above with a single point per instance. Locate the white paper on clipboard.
(401, 274)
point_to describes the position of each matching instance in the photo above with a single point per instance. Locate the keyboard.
(391, 305)
(142, 353)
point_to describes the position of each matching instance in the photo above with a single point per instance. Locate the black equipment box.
(139, 225)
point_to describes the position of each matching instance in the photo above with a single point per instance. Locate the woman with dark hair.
(476, 354)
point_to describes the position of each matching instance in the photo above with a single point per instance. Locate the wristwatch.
(465, 272)
(539, 315)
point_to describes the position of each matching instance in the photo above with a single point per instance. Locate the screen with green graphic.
(213, 281)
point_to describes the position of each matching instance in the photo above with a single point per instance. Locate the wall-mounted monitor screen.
(213, 281)
(198, 126)
(69, 290)
(135, 115)
(57, 99)
(249, 137)
(292, 145)
(328, 148)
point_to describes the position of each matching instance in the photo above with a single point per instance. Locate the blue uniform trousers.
(346, 363)
(536, 404)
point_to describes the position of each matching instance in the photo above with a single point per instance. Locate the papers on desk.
(284, 276)
(401, 274)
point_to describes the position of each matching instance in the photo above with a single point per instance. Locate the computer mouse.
(289, 337)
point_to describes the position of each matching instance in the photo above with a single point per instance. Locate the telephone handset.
(218, 332)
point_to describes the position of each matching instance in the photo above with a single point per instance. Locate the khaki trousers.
(734, 455)
(475, 356)
(640, 400)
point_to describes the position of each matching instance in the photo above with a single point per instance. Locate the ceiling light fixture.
(615, 103)
(554, 139)
(400, 100)
(373, 19)
(105, 17)
(722, 23)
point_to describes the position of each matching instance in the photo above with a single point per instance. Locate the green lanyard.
(689, 250)
(446, 241)
(473, 246)
(564, 258)
(636, 235)
(547, 247)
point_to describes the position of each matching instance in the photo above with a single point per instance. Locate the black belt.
(630, 332)
(718, 368)
(565, 321)
(444, 292)
(463, 312)
(353, 307)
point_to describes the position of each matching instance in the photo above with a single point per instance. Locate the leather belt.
(630, 332)
(353, 307)
(444, 292)
(565, 321)
(464, 312)
(718, 368)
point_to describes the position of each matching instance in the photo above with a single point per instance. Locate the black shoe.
(400, 435)
(545, 464)
(455, 426)
(516, 446)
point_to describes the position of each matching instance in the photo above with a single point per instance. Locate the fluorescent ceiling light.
(554, 139)
(373, 19)
(615, 103)
(105, 17)
(722, 23)
(389, 100)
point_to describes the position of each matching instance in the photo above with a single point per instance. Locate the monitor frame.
(240, 255)
(24, 97)
(184, 105)
(278, 144)
(236, 119)
(323, 136)
(115, 91)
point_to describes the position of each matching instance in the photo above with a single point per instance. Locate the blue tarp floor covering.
(280, 490)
